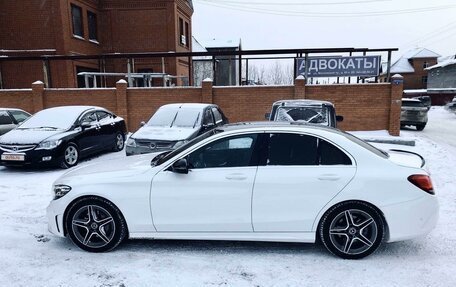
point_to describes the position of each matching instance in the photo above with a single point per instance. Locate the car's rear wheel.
(119, 142)
(95, 225)
(420, 127)
(352, 230)
(70, 156)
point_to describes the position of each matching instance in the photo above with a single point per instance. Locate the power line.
(434, 33)
(294, 3)
(327, 14)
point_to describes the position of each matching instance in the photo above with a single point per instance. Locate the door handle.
(236, 176)
(329, 177)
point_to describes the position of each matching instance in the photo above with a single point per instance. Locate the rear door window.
(332, 155)
(292, 149)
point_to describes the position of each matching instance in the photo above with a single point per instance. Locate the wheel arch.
(323, 214)
(67, 208)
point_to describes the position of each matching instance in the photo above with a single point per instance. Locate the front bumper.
(411, 219)
(34, 157)
(143, 150)
(54, 215)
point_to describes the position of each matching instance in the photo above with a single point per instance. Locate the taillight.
(422, 181)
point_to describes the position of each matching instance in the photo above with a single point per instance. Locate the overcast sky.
(273, 24)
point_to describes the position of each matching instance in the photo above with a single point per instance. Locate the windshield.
(178, 117)
(316, 115)
(161, 158)
(412, 104)
(61, 119)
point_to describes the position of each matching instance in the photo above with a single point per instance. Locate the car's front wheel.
(352, 230)
(70, 156)
(420, 127)
(119, 142)
(95, 224)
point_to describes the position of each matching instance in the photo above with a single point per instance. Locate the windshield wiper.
(37, 128)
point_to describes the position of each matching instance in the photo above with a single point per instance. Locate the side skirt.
(304, 237)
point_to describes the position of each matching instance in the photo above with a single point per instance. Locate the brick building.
(91, 27)
(412, 66)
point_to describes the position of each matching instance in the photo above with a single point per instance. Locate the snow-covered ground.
(30, 256)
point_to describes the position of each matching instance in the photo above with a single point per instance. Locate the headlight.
(60, 190)
(179, 143)
(49, 144)
(131, 142)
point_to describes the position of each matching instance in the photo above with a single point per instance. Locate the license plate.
(13, 157)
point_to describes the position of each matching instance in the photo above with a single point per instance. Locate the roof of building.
(403, 66)
(197, 47)
(443, 62)
(417, 53)
(221, 43)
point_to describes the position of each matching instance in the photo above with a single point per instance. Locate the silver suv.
(11, 118)
(414, 113)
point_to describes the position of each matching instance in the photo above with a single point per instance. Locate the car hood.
(28, 136)
(165, 133)
(109, 169)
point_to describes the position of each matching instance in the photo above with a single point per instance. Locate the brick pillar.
(300, 88)
(206, 92)
(397, 88)
(121, 100)
(37, 96)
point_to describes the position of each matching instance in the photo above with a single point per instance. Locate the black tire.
(119, 142)
(357, 230)
(420, 127)
(103, 230)
(70, 156)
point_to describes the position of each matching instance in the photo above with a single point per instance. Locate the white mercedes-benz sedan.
(251, 181)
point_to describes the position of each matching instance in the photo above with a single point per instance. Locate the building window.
(182, 39)
(424, 79)
(76, 17)
(93, 31)
(187, 35)
(425, 65)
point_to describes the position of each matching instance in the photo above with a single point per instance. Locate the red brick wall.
(364, 106)
(123, 27)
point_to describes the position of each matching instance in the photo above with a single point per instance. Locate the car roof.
(301, 102)
(266, 125)
(187, 106)
(411, 100)
(75, 109)
(11, 109)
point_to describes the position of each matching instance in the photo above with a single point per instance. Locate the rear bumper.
(411, 219)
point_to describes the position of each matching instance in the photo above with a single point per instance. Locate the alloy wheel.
(353, 231)
(71, 155)
(93, 226)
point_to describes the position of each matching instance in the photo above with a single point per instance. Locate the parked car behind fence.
(62, 136)
(11, 118)
(173, 125)
(414, 113)
(308, 111)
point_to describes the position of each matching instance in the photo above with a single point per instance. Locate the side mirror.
(208, 125)
(339, 118)
(141, 124)
(267, 116)
(85, 125)
(180, 166)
